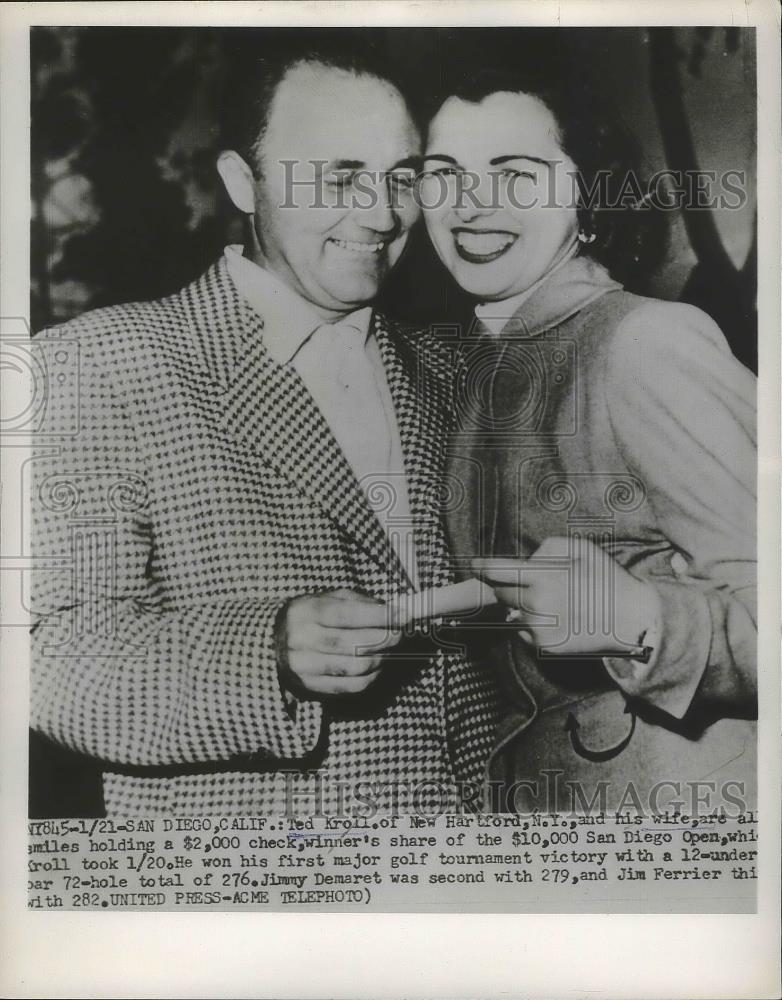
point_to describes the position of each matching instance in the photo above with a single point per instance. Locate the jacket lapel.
(267, 408)
(422, 419)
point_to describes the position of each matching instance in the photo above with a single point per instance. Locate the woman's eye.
(443, 172)
(404, 182)
(510, 174)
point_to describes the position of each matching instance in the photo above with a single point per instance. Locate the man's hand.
(573, 598)
(334, 643)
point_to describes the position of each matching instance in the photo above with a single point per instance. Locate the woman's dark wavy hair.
(629, 238)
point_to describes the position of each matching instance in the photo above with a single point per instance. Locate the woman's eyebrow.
(413, 162)
(519, 156)
(496, 161)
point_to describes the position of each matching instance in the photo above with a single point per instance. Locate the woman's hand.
(573, 598)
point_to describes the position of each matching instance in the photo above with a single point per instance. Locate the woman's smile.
(518, 222)
(481, 246)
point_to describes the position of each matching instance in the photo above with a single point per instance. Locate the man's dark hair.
(260, 61)
(629, 235)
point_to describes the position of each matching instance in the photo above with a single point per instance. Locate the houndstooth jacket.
(199, 490)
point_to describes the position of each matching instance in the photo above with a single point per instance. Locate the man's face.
(335, 200)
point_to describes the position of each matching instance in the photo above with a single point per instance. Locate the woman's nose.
(476, 197)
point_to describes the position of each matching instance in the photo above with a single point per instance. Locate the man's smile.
(359, 246)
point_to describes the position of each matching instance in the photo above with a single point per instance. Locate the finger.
(304, 664)
(556, 545)
(348, 666)
(345, 594)
(389, 638)
(527, 614)
(325, 685)
(344, 642)
(522, 604)
(309, 666)
(511, 572)
(351, 612)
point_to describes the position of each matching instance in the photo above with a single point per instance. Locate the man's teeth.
(484, 243)
(359, 247)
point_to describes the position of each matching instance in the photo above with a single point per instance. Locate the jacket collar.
(568, 289)
(288, 319)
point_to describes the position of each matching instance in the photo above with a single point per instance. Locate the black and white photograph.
(388, 528)
(446, 338)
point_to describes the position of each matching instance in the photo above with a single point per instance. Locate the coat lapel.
(422, 419)
(267, 408)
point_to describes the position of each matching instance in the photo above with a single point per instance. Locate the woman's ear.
(238, 180)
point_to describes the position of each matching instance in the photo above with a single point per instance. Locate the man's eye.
(338, 180)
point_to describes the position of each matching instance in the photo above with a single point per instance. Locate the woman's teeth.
(358, 247)
(483, 243)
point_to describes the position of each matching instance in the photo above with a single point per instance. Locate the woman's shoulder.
(653, 344)
(672, 357)
(660, 332)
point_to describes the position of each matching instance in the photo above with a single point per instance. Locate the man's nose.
(377, 210)
(476, 196)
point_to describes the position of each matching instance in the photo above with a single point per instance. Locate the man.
(256, 472)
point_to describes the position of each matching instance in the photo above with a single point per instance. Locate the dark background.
(127, 203)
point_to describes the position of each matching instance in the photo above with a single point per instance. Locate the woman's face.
(498, 193)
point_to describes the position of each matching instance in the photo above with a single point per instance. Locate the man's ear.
(238, 180)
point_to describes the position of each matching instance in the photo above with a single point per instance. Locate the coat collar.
(288, 319)
(568, 289)
(423, 416)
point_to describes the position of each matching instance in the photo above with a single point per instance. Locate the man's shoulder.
(121, 322)
(133, 329)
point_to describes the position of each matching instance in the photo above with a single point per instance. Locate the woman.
(606, 452)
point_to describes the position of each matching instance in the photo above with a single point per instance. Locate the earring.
(584, 237)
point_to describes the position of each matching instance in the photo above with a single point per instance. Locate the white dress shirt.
(341, 366)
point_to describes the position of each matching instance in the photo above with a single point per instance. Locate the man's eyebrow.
(346, 165)
(408, 161)
(519, 156)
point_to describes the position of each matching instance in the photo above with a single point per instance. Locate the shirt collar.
(572, 284)
(494, 315)
(288, 319)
